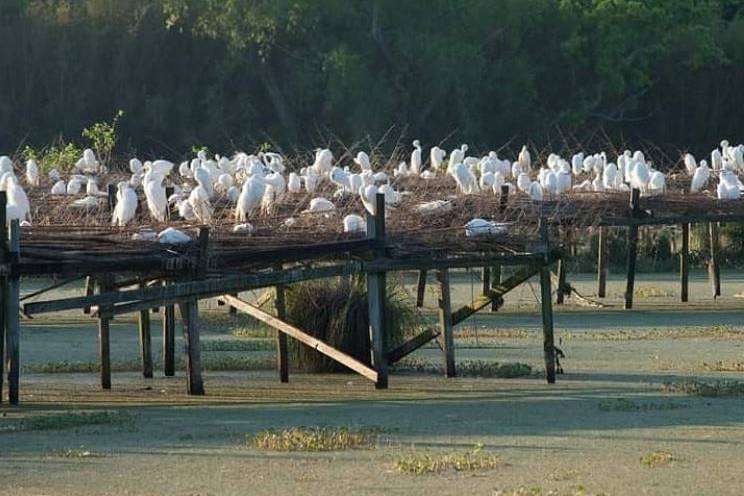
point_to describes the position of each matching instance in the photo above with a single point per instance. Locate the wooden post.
(495, 281)
(190, 319)
(602, 262)
(3, 283)
(421, 288)
(111, 191)
(714, 271)
(504, 198)
(12, 321)
(560, 290)
(105, 284)
(282, 359)
(145, 340)
(635, 196)
(546, 304)
(683, 263)
(376, 297)
(446, 337)
(486, 280)
(169, 341)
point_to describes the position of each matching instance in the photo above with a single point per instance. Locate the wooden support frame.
(602, 262)
(446, 336)
(684, 270)
(303, 337)
(12, 320)
(169, 341)
(3, 284)
(416, 342)
(421, 288)
(496, 277)
(282, 353)
(560, 291)
(632, 248)
(547, 319)
(376, 295)
(105, 283)
(190, 320)
(714, 271)
(145, 341)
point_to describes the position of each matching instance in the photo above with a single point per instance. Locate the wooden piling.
(683, 263)
(105, 284)
(547, 320)
(632, 248)
(714, 271)
(560, 293)
(602, 262)
(282, 355)
(376, 295)
(446, 337)
(169, 341)
(12, 309)
(421, 288)
(3, 283)
(495, 282)
(190, 319)
(145, 340)
(486, 280)
(111, 191)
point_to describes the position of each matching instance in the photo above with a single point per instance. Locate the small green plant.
(210, 363)
(67, 420)
(717, 389)
(102, 137)
(313, 439)
(59, 155)
(196, 149)
(238, 345)
(651, 292)
(431, 463)
(656, 459)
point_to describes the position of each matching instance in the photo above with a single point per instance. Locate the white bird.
(716, 159)
(657, 182)
(486, 181)
(535, 191)
(524, 159)
(416, 158)
(355, 224)
(250, 198)
(362, 160)
(700, 177)
(244, 228)
(690, 164)
(91, 187)
(609, 176)
(436, 157)
(433, 207)
(126, 205)
(157, 203)
(323, 161)
(17, 206)
(73, 187)
(368, 194)
(135, 166)
(482, 227)
(54, 175)
(523, 181)
(391, 196)
(6, 165)
(639, 175)
(456, 157)
(577, 163)
(199, 200)
(233, 193)
(32, 172)
(551, 183)
(311, 181)
(340, 178)
(294, 183)
(59, 188)
(87, 203)
(173, 236)
(465, 179)
(320, 204)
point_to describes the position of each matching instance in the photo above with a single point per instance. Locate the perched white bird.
(690, 164)
(6, 165)
(482, 227)
(74, 186)
(54, 175)
(323, 161)
(32, 172)
(716, 159)
(523, 181)
(320, 204)
(416, 158)
(465, 179)
(135, 166)
(311, 181)
(250, 198)
(244, 228)
(362, 160)
(157, 203)
(17, 206)
(126, 205)
(456, 157)
(657, 182)
(524, 159)
(436, 157)
(294, 183)
(59, 188)
(171, 236)
(87, 203)
(433, 207)
(700, 177)
(368, 194)
(355, 224)
(535, 191)
(199, 200)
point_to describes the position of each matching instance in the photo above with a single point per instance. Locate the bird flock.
(256, 184)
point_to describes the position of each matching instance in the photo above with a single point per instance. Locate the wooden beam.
(282, 355)
(145, 341)
(498, 290)
(632, 249)
(446, 337)
(714, 271)
(560, 293)
(496, 274)
(208, 288)
(303, 337)
(684, 269)
(547, 319)
(3, 284)
(169, 341)
(411, 345)
(421, 288)
(486, 280)
(190, 319)
(602, 262)
(12, 321)
(423, 262)
(377, 297)
(105, 283)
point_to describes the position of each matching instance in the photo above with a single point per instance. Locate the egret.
(436, 157)
(173, 236)
(157, 203)
(457, 156)
(294, 183)
(323, 161)
(244, 228)
(362, 160)
(416, 158)
(73, 187)
(690, 164)
(32, 172)
(433, 207)
(524, 159)
(320, 204)
(535, 191)
(523, 181)
(59, 188)
(355, 224)
(250, 198)
(700, 177)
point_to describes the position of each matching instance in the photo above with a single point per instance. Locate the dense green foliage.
(234, 73)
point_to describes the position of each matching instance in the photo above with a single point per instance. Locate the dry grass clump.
(431, 463)
(717, 389)
(651, 292)
(656, 459)
(723, 366)
(626, 405)
(80, 453)
(538, 491)
(67, 420)
(209, 363)
(468, 368)
(238, 345)
(313, 439)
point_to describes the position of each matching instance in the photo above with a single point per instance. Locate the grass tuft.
(81, 452)
(313, 439)
(468, 368)
(722, 366)
(238, 345)
(430, 463)
(626, 405)
(717, 389)
(210, 363)
(656, 459)
(538, 491)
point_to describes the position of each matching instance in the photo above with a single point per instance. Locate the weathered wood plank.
(12, 321)
(684, 270)
(714, 271)
(632, 249)
(497, 291)
(390, 265)
(105, 283)
(282, 355)
(602, 262)
(411, 345)
(496, 274)
(446, 337)
(377, 297)
(169, 341)
(561, 289)
(145, 341)
(547, 319)
(303, 337)
(421, 288)
(190, 320)
(208, 288)
(3, 284)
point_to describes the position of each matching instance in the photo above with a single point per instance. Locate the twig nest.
(290, 222)
(433, 207)
(244, 229)
(482, 227)
(87, 203)
(171, 236)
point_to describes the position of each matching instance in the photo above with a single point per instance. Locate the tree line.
(228, 74)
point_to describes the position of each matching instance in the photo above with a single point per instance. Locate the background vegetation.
(233, 73)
